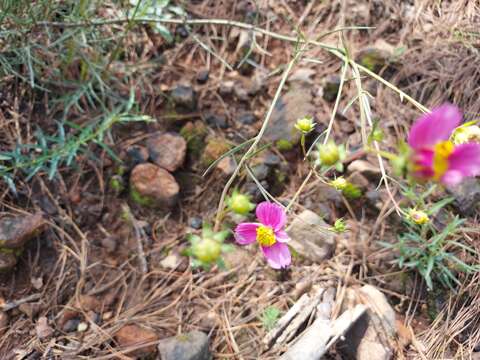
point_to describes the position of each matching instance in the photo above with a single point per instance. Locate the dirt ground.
(86, 267)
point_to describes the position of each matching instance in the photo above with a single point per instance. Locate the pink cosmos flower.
(435, 157)
(269, 233)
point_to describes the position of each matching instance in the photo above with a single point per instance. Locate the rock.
(240, 92)
(215, 148)
(137, 155)
(70, 325)
(43, 329)
(3, 322)
(181, 31)
(310, 237)
(167, 150)
(82, 327)
(295, 104)
(138, 337)
(330, 87)
(184, 97)
(190, 346)
(226, 88)
(371, 337)
(194, 134)
(202, 76)
(7, 261)
(270, 159)
(246, 118)
(153, 186)
(227, 165)
(170, 261)
(365, 168)
(110, 243)
(467, 196)
(219, 121)
(260, 171)
(16, 231)
(195, 222)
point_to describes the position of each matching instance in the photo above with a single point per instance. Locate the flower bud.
(339, 183)
(305, 125)
(207, 250)
(418, 217)
(328, 153)
(465, 134)
(240, 203)
(339, 226)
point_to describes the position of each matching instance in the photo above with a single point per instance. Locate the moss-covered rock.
(215, 148)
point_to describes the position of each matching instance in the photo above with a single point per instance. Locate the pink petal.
(434, 127)
(246, 233)
(278, 255)
(452, 178)
(271, 214)
(282, 236)
(423, 163)
(463, 162)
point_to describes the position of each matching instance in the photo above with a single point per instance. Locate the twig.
(139, 235)
(13, 304)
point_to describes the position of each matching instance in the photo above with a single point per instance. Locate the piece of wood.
(321, 335)
(283, 322)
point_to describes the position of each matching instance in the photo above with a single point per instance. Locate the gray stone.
(246, 118)
(310, 237)
(202, 76)
(184, 97)
(467, 196)
(167, 150)
(295, 104)
(219, 121)
(260, 171)
(372, 336)
(190, 346)
(16, 231)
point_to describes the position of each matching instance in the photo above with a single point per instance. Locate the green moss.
(117, 184)
(284, 145)
(194, 134)
(215, 148)
(140, 199)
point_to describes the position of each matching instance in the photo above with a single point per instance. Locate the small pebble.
(107, 316)
(247, 118)
(195, 222)
(83, 326)
(71, 325)
(203, 76)
(217, 120)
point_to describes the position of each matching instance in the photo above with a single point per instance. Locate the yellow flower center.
(440, 158)
(265, 236)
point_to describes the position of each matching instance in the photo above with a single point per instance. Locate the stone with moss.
(215, 148)
(194, 134)
(152, 186)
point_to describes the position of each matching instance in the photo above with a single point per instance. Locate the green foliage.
(50, 152)
(156, 9)
(433, 253)
(270, 317)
